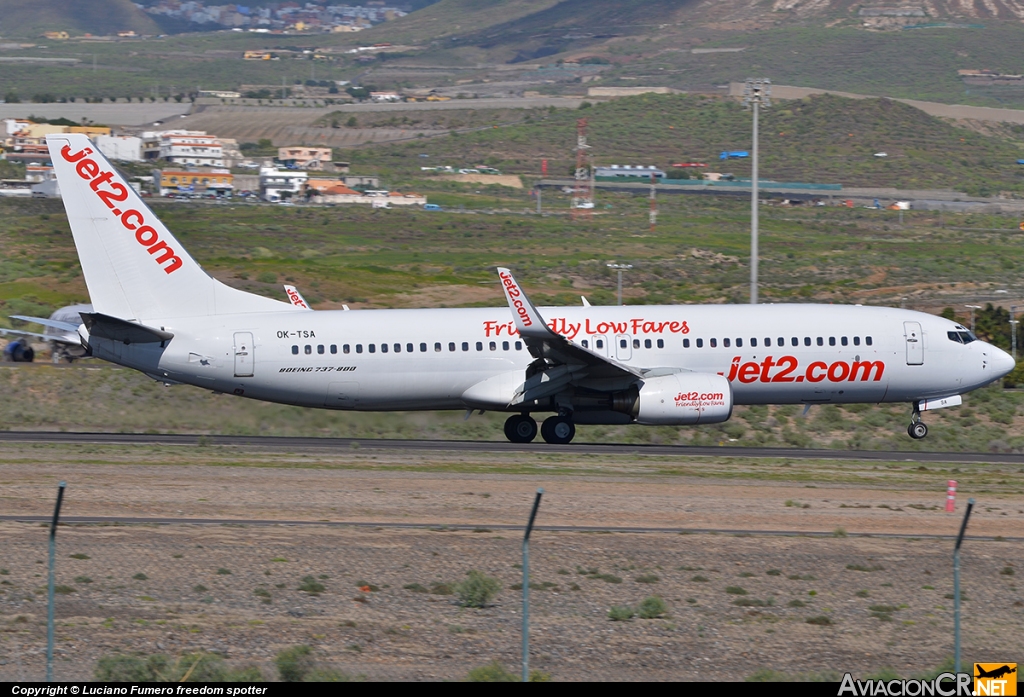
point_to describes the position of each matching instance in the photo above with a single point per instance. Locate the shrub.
(79, 555)
(438, 588)
(735, 590)
(647, 578)
(608, 578)
(492, 672)
(773, 572)
(64, 590)
(862, 594)
(1007, 571)
(862, 567)
(295, 663)
(796, 603)
(223, 572)
(652, 607)
(140, 577)
(311, 585)
(415, 588)
(699, 579)
(753, 602)
(83, 579)
(199, 589)
(477, 590)
(621, 613)
(820, 620)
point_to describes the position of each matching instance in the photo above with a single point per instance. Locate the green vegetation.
(735, 590)
(299, 664)
(647, 578)
(79, 555)
(863, 567)
(477, 590)
(310, 585)
(140, 576)
(495, 671)
(64, 590)
(821, 620)
(652, 607)
(621, 613)
(202, 667)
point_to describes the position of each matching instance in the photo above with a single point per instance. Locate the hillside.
(822, 139)
(30, 18)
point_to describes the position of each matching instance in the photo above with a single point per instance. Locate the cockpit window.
(963, 337)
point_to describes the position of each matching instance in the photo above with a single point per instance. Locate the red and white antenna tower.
(654, 202)
(583, 194)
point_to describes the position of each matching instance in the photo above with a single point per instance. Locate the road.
(678, 451)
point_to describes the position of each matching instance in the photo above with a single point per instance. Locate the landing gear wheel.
(917, 430)
(520, 428)
(558, 430)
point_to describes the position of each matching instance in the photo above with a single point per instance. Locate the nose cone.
(1002, 363)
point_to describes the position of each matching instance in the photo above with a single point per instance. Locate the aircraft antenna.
(583, 193)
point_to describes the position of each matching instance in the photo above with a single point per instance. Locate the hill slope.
(30, 18)
(822, 139)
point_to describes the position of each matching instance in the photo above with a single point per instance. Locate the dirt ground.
(233, 589)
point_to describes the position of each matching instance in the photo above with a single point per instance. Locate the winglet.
(295, 297)
(528, 320)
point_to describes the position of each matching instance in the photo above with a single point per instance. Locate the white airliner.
(157, 311)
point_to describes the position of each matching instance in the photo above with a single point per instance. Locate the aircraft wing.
(73, 340)
(552, 348)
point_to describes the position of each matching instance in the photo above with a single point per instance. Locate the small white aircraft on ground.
(157, 311)
(60, 330)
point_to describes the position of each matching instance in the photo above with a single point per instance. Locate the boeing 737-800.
(157, 311)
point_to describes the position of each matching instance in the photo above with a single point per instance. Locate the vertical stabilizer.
(133, 266)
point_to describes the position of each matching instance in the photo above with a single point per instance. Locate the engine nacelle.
(684, 399)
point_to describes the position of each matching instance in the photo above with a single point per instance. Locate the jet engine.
(677, 400)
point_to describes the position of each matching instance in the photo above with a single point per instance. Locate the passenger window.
(586, 344)
(493, 346)
(320, 348)
(345, 348)
(739, 343)
(821, 341)
(807, 341)
(504, 346)
(479, 346)
(383, 348)
(844, 341)
(867, 340)
(600, 343)
(308, 349)
(519, 346)
(700, 343)
(661, 343)
(753, 343)
(831, 341)
(636, 343)
(409, 348)
(465, 345)
(372, 348)
(398, 348)
(623, 343)
(686, 343)
(423, 348)
(334, 348)
(647, 343)
(437, 347)
(295, 349)
(856, 341)
(725, 343)
(795, 341)
(781, 341)
(451, 345)
(767, 341)
(359, 348)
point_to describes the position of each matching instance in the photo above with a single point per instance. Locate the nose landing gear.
(917, 429)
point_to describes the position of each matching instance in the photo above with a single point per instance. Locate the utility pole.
(756, 94)
(1013, 331)
(972, 308)
(619, 268)
(654, 202)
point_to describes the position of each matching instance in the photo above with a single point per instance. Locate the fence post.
(49, 592)
(956, 588)
(526, 587)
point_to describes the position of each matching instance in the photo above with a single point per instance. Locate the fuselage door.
(243, 355)
(623, 347)
(915, 343)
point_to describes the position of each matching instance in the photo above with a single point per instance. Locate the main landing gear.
(916, 430)
(557, 430)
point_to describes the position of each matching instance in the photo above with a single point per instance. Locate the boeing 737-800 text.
(157, 311)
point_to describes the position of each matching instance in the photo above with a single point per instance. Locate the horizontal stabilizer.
(52, 323)
(108, 327)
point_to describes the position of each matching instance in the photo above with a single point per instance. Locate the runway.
(631, 450)
(441, 527)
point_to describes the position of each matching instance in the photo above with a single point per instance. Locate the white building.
(124, 148)
(191, 148)
(279, 185)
